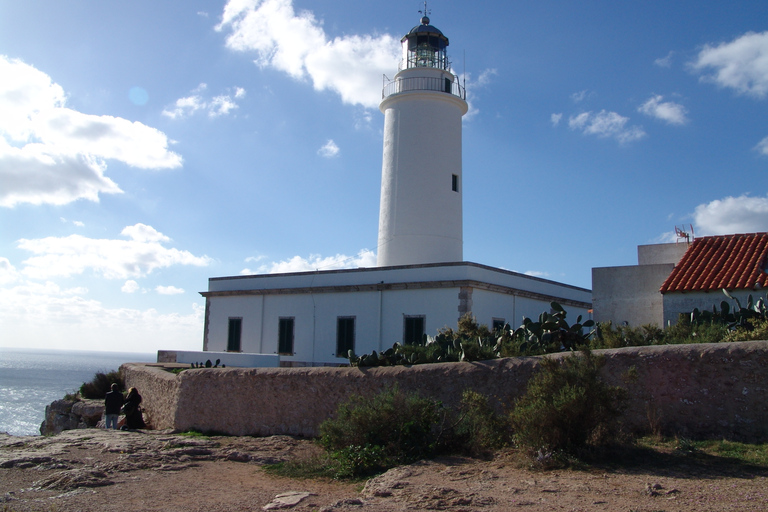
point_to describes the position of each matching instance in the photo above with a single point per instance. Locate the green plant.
(100, 385)
(567, 407)
(208, 364)
(551, 333)
(379, 432)
(479, 429)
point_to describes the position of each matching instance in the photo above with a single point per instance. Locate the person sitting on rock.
(113, 401)
(132, 411)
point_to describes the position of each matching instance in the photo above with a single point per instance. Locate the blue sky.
(146, 146)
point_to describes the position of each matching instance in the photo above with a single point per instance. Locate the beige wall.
(718, 390)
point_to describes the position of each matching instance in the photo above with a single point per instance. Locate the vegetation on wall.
(552, 333)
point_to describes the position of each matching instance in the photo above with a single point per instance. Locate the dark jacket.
(113, 402)
(133, 416)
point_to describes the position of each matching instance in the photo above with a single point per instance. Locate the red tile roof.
(733, 262)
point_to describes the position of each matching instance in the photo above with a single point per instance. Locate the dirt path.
(96, 470)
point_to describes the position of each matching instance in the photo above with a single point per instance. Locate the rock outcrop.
(63, 415)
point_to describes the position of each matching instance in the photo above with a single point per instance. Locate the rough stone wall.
(159, 391)
(694, 390)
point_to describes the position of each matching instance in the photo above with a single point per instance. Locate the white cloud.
(555, 119)
(365, 258)
(537, 273)
(169, 290)
(743, 214)
(665, 62)
(111, 259)
(668, 111)
(580, 96)
(130, 286)
(46, 316)
(329, 150)
(351, 66)
(607, 125)
(219, 105)
(741, 64)
(762, 146)
(52, 154)
(8, 273)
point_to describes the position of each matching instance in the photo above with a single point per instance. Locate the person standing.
(113, 401)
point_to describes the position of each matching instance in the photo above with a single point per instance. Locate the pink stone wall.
(693, 390)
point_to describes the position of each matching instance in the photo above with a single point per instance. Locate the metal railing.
(436, 84)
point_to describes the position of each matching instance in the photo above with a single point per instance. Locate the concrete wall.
(661, 253)
(718, 390)
(629, 294)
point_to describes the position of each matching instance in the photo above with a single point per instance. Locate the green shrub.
(101, 384)
(567, 407)
(369, 434)
(478, 430)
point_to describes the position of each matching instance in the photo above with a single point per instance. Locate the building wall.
(676, 303)
(661, 253)
(629, 294)
(379, 300)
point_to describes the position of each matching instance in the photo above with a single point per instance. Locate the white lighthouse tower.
(420, 218)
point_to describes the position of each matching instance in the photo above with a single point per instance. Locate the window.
(233, 337)
(498, 323)
(285, 337)
(345, 335)
(413, 330)
(455, 182)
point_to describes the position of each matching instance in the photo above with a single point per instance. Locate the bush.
(478, 430)
(101, 384)
(368, 435)
(567, 407)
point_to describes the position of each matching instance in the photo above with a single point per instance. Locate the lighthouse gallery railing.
(436, 84)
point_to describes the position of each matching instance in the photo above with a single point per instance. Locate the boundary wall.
(713, 390)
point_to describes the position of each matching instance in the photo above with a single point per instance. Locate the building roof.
(733, 262)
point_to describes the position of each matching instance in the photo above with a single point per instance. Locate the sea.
(30, 379)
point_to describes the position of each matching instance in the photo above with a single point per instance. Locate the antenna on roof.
(426, 12)
(683, 234)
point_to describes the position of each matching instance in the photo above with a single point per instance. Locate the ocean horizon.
(30, 379)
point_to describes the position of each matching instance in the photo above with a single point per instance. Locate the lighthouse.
(420, 216)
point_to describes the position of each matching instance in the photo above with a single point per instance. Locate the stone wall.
(716, 390)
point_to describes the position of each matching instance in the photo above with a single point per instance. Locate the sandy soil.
(97, 470)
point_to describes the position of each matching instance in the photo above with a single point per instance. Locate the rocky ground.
(97, 470)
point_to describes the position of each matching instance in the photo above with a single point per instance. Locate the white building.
(421, 283)
(674, 279)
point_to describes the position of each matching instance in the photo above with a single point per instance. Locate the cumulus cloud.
(606, 125)
(762, 146)
(364, 258)
(350, 65)
(169, 290)
(329, 150)
(51, 154)
(667, 111)
(741, 64)
(35, 313)
(130, 286)
(743, 214)
(555, 119)
(216, 106)
(137, 257)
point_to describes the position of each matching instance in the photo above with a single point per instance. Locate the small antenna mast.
(425, 12)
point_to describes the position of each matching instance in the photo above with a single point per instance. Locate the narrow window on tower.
(233, 336)
(413, 329)
(285, 337)
(455, 182)
(345, 335)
